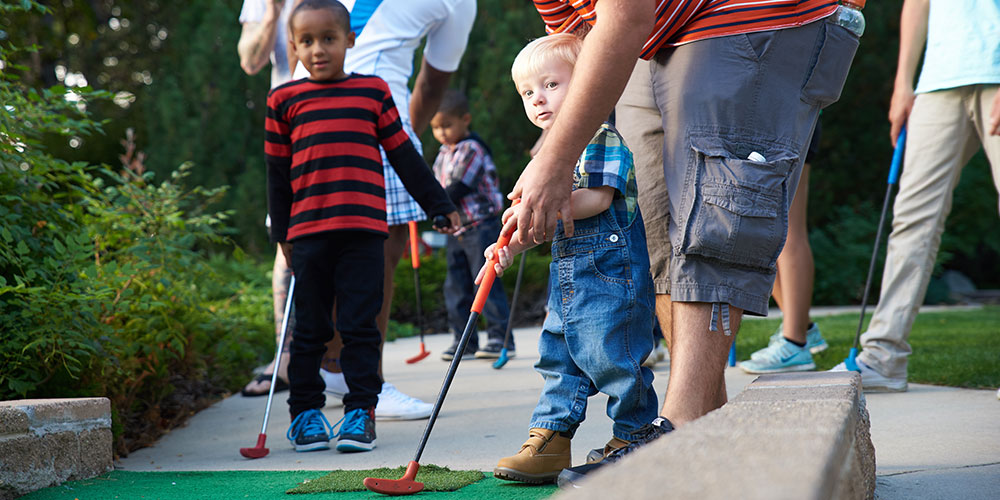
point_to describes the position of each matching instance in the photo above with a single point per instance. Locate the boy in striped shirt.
(326, 199)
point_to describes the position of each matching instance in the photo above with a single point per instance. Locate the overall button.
(613, 238)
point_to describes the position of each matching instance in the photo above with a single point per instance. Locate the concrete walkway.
(931, 442)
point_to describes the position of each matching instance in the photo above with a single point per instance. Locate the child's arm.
(505, 255)
(278, 157)
(588, 202)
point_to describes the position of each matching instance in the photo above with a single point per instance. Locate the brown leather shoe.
(598, 454)
(542, 457)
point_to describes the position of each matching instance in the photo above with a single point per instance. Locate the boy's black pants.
(346, 266)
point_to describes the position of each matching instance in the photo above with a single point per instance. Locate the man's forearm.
(428, 90)
(603, 67)
(912, 37)
(256, 43)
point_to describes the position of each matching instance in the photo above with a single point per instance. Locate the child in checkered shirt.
(464, 167)
(600, 319)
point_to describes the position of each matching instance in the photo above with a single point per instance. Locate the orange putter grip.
(491, 272)
(414, 245)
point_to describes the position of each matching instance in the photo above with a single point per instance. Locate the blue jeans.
(599, 328)
(465, 258)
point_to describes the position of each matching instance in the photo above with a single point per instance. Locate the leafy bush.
(106, 288)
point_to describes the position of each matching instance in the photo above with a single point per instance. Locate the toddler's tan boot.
(542, 457)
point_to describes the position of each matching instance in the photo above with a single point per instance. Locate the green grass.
(953, 348)
(255, 485)
(435, 478)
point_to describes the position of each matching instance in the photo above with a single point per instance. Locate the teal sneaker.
(814, 340)
(357, 430)
(782, 356)
(310, 431)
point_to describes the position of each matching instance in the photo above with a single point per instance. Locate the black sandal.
(281, 385)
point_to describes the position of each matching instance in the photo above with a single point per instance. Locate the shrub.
(106, 288)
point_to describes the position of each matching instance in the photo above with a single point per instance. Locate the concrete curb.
(794, 436)
(44, 442)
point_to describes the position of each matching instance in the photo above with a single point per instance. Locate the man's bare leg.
(793, 284)
(697, 361)
(665, 316)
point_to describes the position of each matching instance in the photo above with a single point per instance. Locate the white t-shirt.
(253, 12)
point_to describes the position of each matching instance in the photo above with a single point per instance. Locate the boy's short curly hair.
(343, 15)
(560, 46)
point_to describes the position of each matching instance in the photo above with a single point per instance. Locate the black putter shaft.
(502, 360)
(897, 161)
(470, 327)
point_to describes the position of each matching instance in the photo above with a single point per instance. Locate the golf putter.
(415, 261)
(502, 360)
(897, 161)
(408, 485)
(260, 451)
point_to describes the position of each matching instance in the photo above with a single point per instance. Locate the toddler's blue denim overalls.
(599, 327)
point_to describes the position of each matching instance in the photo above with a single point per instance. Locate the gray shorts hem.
(690, 292)
(661, 286)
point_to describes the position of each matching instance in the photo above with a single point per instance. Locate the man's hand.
(286, 250)
(993, 127)
(899, 110)
(544, 189)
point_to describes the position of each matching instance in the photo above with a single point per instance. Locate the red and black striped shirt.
(683, 21)
(324, 168)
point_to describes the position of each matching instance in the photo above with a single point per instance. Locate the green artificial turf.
(435, 478)
(262, 485)
(952, 348)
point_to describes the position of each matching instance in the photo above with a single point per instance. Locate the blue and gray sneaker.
(782, 356)
(357, 430)
(571, 476)
(310, 431)
(814, 339)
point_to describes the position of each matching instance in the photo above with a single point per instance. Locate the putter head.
(258, 451)
(502, 360)
(850, 363)
(406, 485)
(420, 355)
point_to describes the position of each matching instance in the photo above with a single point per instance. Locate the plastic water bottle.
(849, 15)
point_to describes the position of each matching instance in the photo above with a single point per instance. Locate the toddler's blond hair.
(541, 51)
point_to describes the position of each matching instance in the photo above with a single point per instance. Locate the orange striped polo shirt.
(683, 21)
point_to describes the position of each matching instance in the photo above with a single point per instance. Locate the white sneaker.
(394, 405)
(336, 385)
(873, 381)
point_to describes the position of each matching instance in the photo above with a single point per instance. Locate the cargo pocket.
(738, 206)
(837, 46)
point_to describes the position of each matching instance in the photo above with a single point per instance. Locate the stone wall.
(44, 442)
(790, 436)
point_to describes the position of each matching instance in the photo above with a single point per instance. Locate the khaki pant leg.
(638, 120)
(940, 140)
(983, 101)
